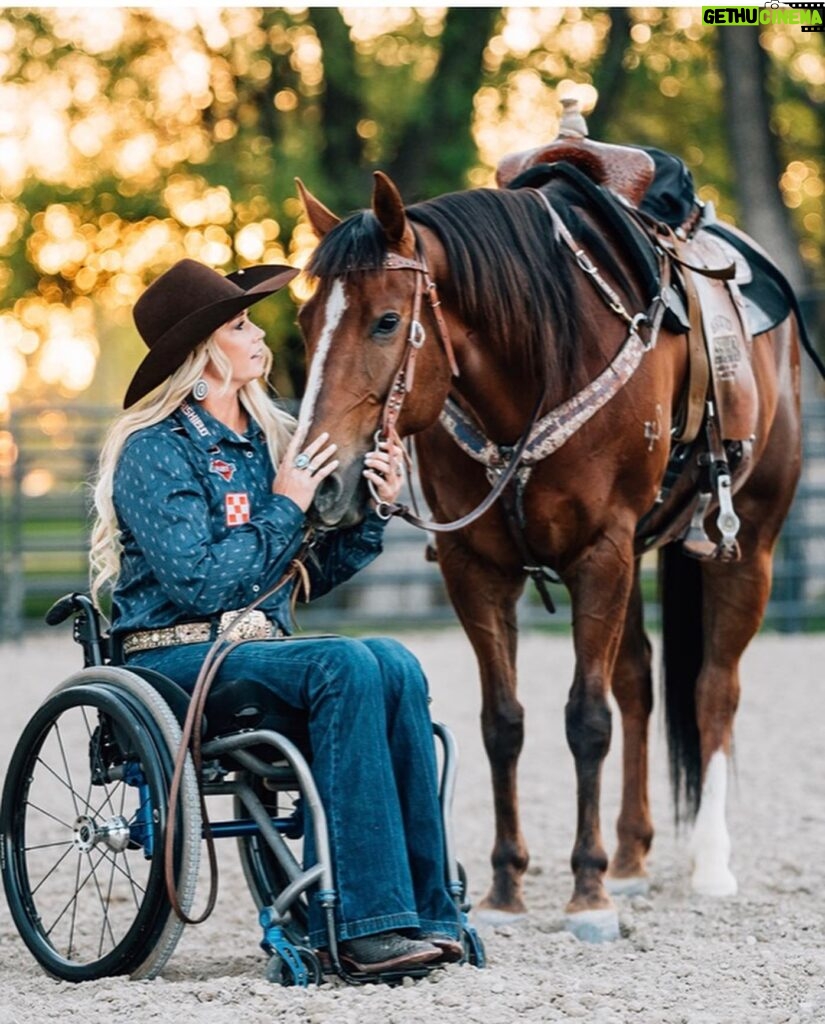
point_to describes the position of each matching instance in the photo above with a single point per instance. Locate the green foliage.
(138, 136)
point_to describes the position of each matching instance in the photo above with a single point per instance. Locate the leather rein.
(502, 470)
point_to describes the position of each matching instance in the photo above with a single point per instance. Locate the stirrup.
(697, 544)
(727, 522)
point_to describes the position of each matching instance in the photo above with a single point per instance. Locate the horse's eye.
(386, 326)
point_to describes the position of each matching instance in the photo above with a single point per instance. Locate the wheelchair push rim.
(82, 819)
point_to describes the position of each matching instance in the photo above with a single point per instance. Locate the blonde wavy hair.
(277, 425)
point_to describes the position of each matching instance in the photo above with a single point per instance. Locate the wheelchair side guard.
(245, 704)
(175, 696)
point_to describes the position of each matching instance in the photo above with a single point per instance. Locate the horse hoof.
(716, 884)
(638, 885)
(495, 918)
(593, 925)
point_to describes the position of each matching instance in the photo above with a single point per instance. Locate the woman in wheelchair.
(201, 502)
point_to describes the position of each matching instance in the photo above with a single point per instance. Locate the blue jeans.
(373, 761)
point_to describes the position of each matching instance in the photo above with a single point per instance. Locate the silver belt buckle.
(254, 626)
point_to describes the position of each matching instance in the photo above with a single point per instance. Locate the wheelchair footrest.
(352, 977)
(473, 945)
(289, 964)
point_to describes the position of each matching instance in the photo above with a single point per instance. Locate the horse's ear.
(320, 218)
(388, 207)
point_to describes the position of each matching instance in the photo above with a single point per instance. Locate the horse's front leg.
(633, 690)
(599, 585)
(485, 599)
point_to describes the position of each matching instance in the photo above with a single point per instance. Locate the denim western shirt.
(202, 532)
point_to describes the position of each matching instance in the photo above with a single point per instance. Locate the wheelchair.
(85, 812)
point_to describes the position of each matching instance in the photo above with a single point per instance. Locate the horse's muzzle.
(340, 499)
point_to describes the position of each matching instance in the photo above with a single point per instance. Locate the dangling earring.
(201, 389)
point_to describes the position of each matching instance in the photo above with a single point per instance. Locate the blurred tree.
(610, 76)
(130, 140)
(343, 110)
(437, 145)
(754, 151)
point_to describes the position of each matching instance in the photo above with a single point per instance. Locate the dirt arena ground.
(757, 958)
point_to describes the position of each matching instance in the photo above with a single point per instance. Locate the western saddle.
(721, 401)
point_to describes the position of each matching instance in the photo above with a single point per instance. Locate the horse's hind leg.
(728, 603)
(485, 601)
(733, 604)
(633, 690)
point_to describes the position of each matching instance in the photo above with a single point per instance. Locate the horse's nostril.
(329, 492)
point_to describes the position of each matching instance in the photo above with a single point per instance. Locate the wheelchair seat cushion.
(232, 705)
(235, 704)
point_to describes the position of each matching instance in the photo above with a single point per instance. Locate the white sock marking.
(710, 842)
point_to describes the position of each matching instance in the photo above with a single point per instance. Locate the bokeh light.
(132, 137)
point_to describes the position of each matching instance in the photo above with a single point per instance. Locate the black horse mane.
(511, 279)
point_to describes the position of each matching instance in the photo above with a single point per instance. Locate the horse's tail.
(680, 582)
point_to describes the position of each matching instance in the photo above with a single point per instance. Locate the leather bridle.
(402, 385)
(405, 375)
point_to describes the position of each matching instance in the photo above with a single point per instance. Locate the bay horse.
(478, 296)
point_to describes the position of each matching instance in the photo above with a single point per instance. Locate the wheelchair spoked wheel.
(83, 816)
(159, 718)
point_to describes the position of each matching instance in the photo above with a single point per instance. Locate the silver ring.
(301, 461)
(398, 471)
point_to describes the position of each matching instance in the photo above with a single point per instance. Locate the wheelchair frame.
(132, 721)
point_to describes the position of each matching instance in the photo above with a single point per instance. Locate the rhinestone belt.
(255, 626)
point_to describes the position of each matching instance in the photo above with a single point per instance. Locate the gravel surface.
(758, 957)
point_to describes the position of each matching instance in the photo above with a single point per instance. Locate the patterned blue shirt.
(203, 533)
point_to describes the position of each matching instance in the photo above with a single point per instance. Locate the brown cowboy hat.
(182, 307)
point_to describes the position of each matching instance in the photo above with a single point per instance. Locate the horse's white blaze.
(334, 310)
(710, 842)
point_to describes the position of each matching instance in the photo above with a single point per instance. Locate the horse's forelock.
(357, 243)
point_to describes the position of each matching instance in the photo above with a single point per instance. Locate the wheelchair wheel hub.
(113, 833)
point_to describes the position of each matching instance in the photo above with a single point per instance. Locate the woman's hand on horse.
(385, 470)
(302, 470)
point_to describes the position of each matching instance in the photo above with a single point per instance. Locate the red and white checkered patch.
(237, 508)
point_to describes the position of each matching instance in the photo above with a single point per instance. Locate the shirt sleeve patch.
(225, 470)
(237, 508)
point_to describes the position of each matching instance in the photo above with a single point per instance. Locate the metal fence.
(48, 455)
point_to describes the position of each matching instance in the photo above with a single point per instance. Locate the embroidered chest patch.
(237, 508)
(224, 469)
